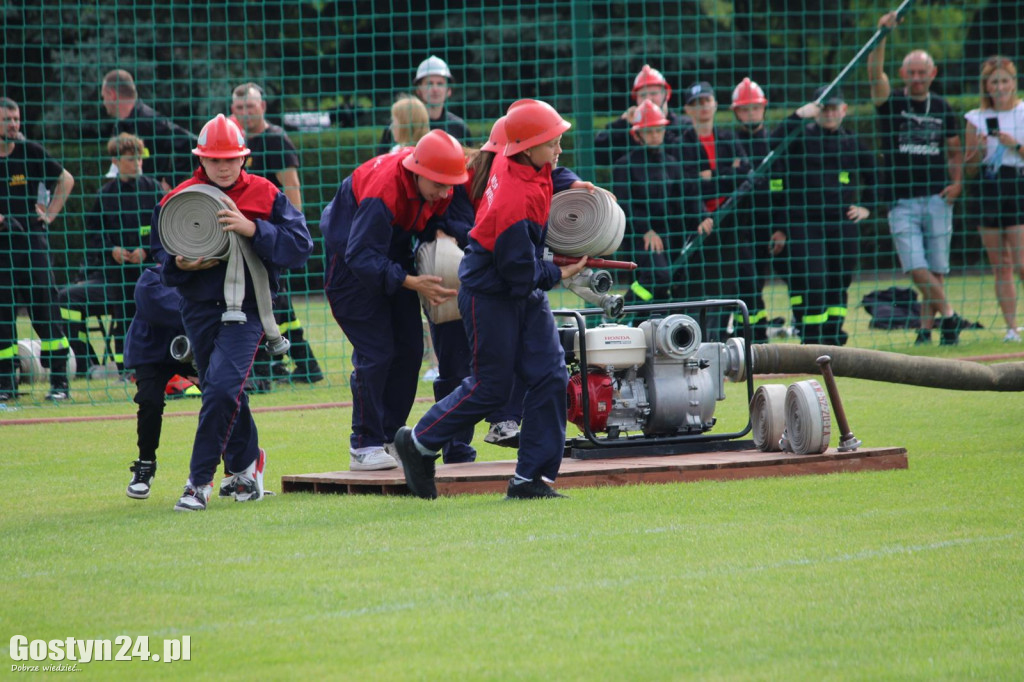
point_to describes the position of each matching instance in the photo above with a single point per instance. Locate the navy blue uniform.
(508, 322)
(827, 172)
(26, 272)
(224, 352)
(615, 141)
(147, 350)
(120, 217)
(170, 158)
(368, 230)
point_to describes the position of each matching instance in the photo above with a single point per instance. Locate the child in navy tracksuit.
(147, 351)
(224, 352)
(449, 338)
(506, 315)
(368, 231)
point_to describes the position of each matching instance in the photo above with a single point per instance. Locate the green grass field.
(915, 574)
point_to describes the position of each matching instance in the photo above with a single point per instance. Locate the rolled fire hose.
(808, 419)
(189, 227)
(440, 257)
(768, 416)
(30, 362)
(582, 223)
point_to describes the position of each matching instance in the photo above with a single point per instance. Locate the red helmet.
(497, 141)
(221, 139)
(530, 122)
(648, 77)
(439, 157)
(648, 115)
(748, 92)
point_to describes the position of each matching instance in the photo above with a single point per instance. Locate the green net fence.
(803, 242)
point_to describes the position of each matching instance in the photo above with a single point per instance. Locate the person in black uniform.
(831, 177)
(713, 166)
(433, 87)
(648, 182)
(273, 156)
(761, 222)
(147, 350)
(27, 176)
(617, 139)
(168, 159)
(117, 239)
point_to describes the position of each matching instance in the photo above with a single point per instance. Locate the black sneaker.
(531, 490)
(307, 372)
(419, 469)
(950, 328)
(924, 337)
(142, 473)
(58, 393)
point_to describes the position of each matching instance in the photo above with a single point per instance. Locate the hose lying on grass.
(874, 365)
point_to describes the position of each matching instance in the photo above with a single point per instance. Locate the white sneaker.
(370, 459)
(1012, 336)
(194, 498)
(504, 433)
(249, 483)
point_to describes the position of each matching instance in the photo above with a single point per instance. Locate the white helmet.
(432, 66)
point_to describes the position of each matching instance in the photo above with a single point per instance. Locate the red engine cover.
(599, 387)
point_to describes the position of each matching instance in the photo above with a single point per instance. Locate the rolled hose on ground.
(189, 227)
(896, 368)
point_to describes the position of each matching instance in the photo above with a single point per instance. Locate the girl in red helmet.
(224, 352)
(506, 314)
(371, 283)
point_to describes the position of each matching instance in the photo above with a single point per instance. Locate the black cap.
(701, 89)
(834, 97)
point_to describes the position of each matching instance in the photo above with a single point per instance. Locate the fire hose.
(189, 227)
(874, 365)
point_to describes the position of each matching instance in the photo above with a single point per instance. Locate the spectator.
(368, 230)
(273, 156)
(616, 139)
(117, 241)
(995, 135)
(922, 146)
(831, 178)
(168, 160)
(648, 182)
(224, 352)
(433, 88)
(33, 190)
(761, 217)
(713, 166)
(147, 351)
(409, 122)
(506, 315)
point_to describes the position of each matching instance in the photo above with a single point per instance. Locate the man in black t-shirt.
(167, 156)
(273, 156)
(33, 189)
(921, 142)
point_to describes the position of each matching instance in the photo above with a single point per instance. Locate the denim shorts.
(922, 229)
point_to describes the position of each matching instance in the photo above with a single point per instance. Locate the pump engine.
(658, 378)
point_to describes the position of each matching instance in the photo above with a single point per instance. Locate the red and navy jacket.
(461, 214)
(506, 245)
(369, 226)
(281, 240)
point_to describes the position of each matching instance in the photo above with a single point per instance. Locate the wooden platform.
(492, 477)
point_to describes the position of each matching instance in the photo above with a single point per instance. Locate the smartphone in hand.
(992, 125)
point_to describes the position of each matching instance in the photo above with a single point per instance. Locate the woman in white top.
(995, 134)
